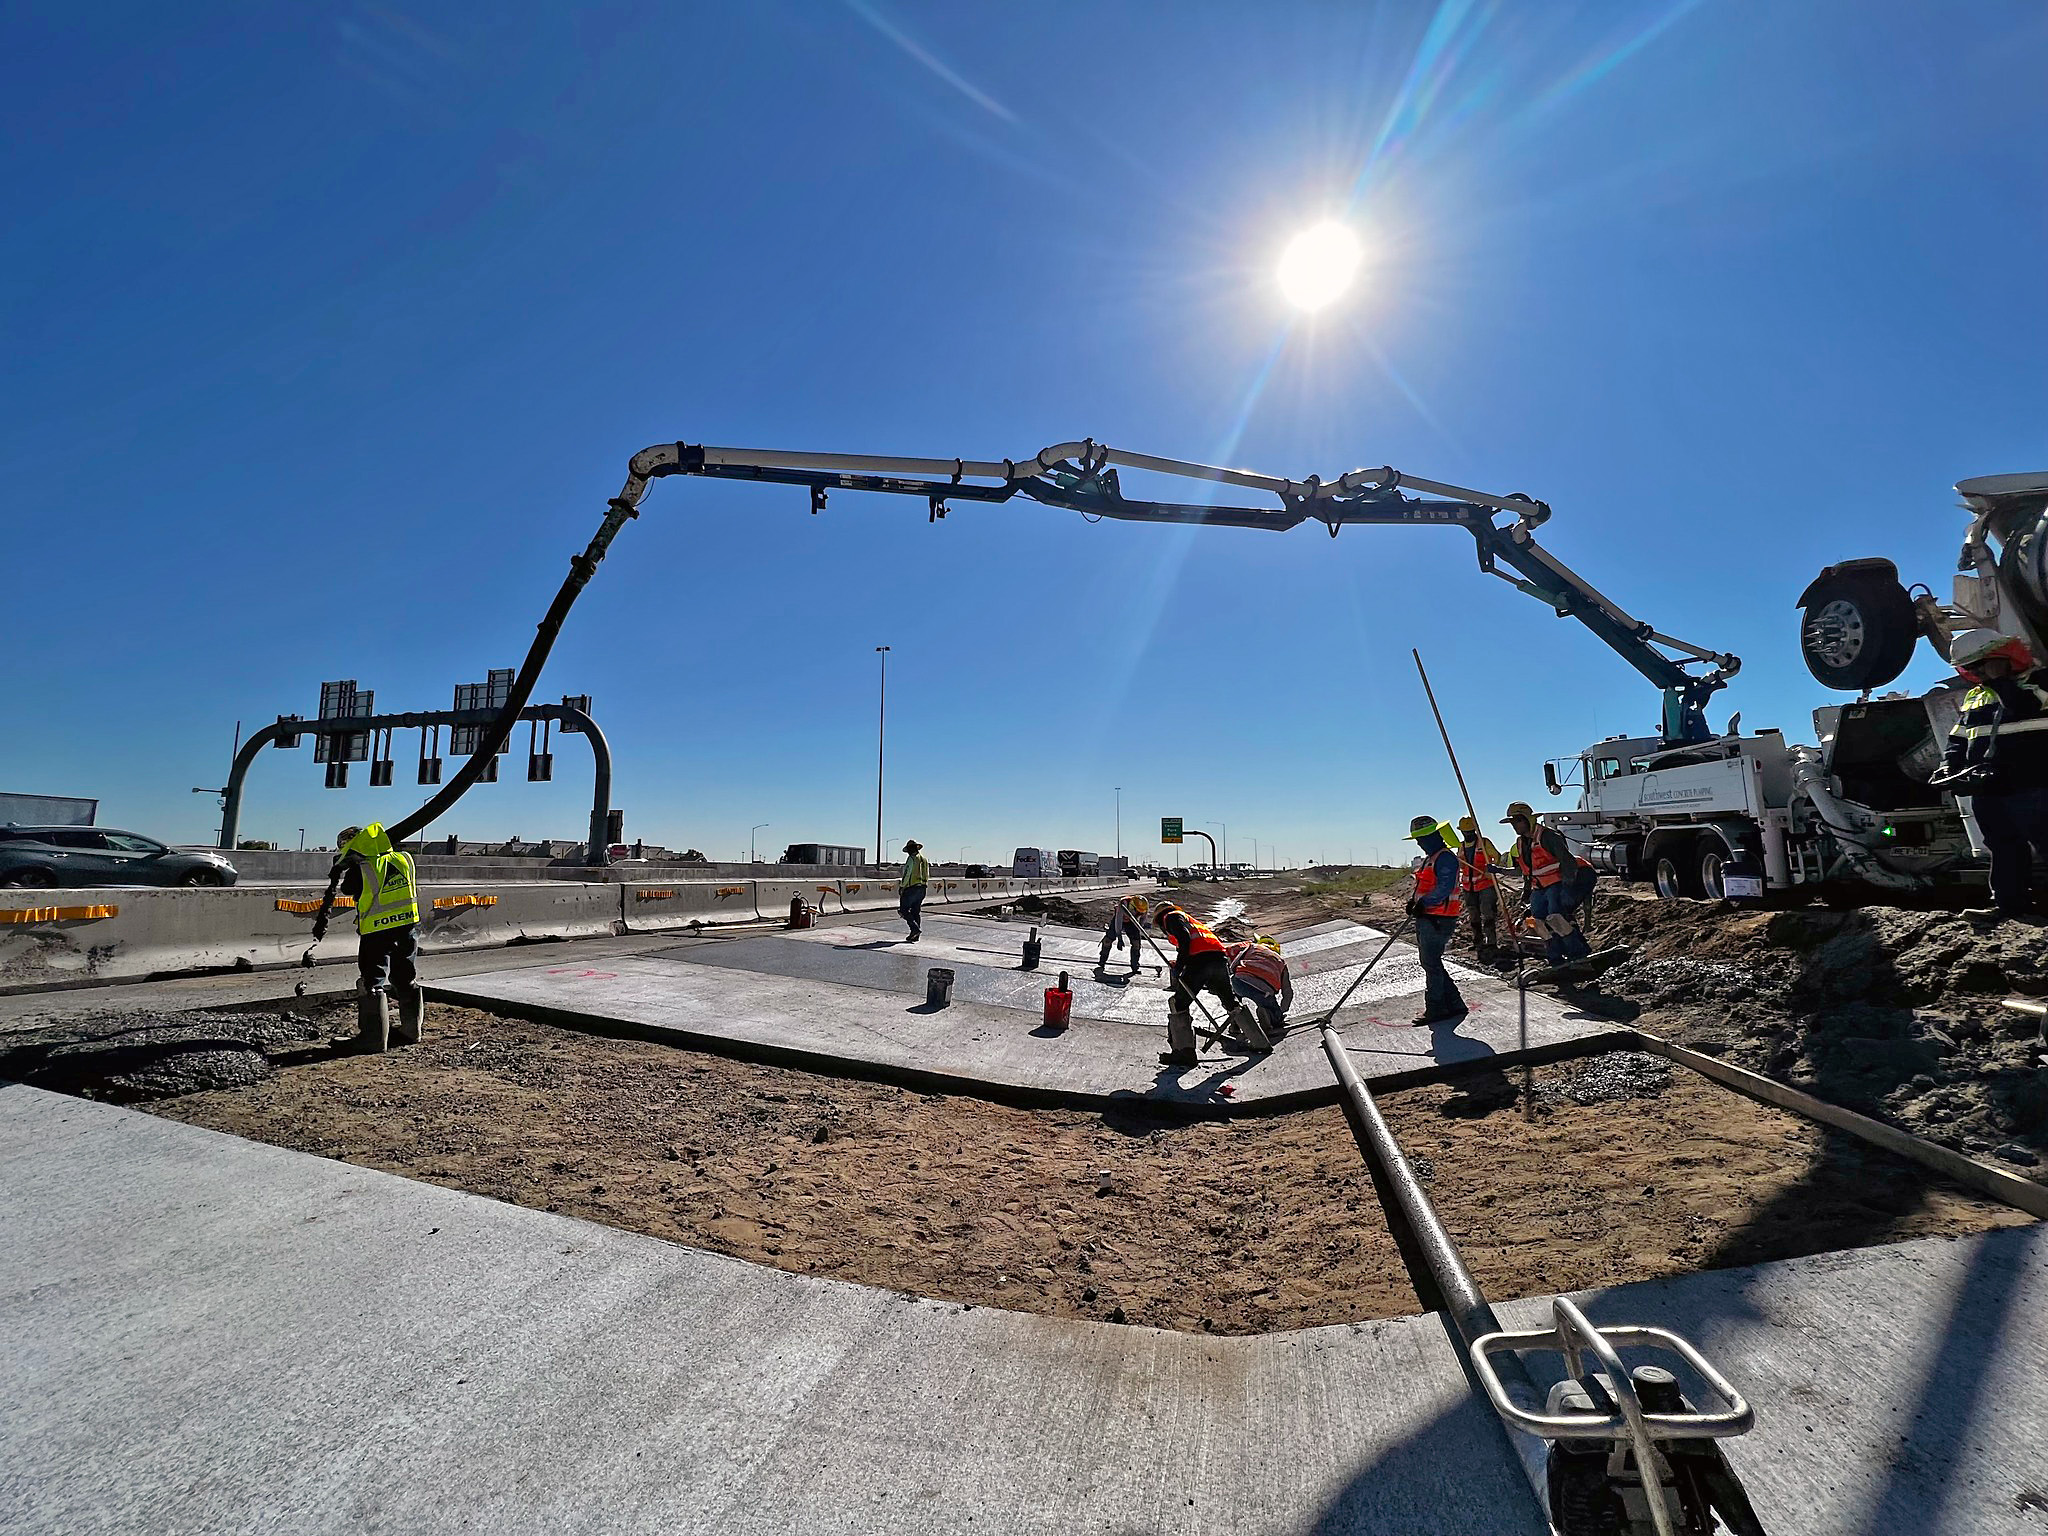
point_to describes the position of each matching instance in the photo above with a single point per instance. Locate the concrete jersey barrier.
(73, 936)
(144, 932)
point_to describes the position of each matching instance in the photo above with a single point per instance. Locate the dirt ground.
(1892, 1011)
(1237, 1227)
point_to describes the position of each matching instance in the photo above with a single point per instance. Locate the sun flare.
(1319, 265)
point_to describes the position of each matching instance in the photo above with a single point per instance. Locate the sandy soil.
(1238, 1227)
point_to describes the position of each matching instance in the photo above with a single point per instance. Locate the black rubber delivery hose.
(581, 568)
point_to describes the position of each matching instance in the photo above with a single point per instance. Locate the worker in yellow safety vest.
(380, 880)
(1126, 923)
(917, 876)
(1997, 754)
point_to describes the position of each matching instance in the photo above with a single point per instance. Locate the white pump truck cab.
(1734, 815)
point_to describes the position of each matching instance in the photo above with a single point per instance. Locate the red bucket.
(1059, 1007)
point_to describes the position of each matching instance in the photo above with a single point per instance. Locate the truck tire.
(1713, 859)
(1675, 868)
(1857, 629)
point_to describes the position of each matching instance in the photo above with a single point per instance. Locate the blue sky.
(324, 335)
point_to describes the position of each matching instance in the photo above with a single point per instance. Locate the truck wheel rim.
(1835, 634)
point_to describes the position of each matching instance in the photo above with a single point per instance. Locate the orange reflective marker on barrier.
(442, 903)
(57, 914)
(286, 904)
(654, 895)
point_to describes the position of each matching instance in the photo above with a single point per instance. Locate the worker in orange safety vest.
(1200, 964)
(1554, 883)
(1477, 859)
(1435, 907)
(1259, 975)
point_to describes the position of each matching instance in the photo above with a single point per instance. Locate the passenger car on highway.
(40, 857)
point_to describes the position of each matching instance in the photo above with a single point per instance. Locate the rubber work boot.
(1180, 1037)
(412, 1012)
(373, 1020)
(1244, 1024)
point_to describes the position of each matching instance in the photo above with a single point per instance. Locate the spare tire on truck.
(1857, 627)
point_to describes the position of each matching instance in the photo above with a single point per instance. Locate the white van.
(1036, 864)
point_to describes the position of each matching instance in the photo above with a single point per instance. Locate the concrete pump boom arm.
(1081, 476)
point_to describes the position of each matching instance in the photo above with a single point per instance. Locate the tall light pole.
(757, 826)
(1119, 821)
(881, 728)
(302, 839)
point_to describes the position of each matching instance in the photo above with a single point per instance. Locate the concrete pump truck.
(1696, 812)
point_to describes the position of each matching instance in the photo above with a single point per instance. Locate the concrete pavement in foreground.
(852, 995)
(205, 1334)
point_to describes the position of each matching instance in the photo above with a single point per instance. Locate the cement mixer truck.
(1735, 815)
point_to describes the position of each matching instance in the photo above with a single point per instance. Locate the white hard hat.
(1975, 645)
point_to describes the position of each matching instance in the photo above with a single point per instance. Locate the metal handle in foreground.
(1575, 1337)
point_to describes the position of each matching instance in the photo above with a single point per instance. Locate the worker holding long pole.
(1435, 907)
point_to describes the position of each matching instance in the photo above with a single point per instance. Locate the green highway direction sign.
(1169, 829)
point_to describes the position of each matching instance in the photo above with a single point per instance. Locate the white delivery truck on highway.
(1036, 864)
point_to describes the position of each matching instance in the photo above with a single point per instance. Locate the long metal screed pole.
(1521, 960)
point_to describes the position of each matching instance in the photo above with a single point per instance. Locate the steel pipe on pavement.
(1463, 1302)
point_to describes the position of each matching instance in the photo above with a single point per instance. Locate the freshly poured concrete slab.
(853, 997)
(209, 1335)
(1897, 1389)
(825, 1026)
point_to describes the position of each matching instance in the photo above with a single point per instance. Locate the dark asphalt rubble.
(1610, 1078)
(130, 1058)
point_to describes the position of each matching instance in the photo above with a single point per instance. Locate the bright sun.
(1319, 264)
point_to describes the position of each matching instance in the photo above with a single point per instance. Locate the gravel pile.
(1611, 1078)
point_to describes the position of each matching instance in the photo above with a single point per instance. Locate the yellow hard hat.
(1140, 905)
(1267, 943)
(1422, 826)
(1519, 808)
(1467, 824)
